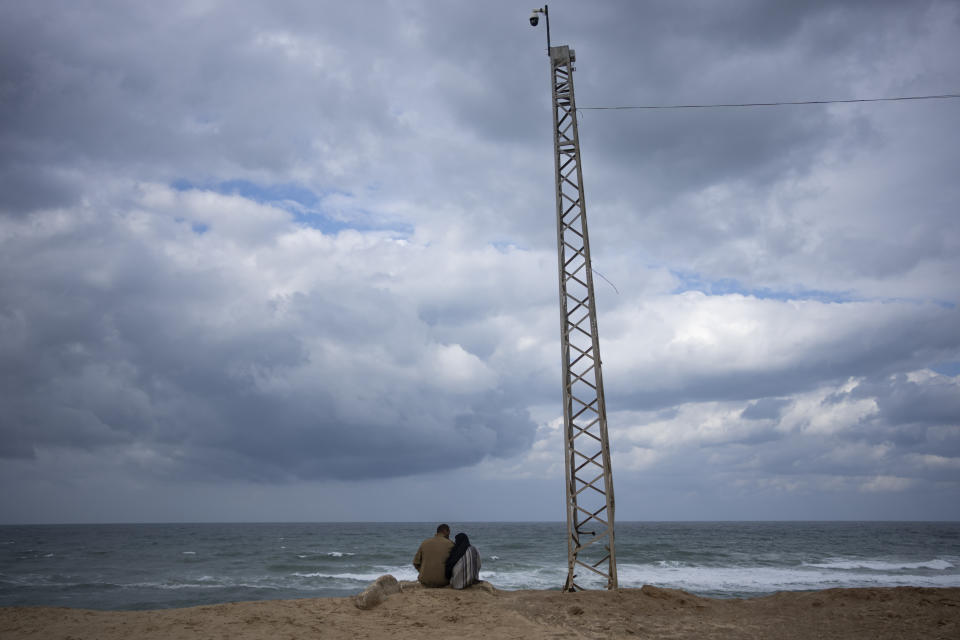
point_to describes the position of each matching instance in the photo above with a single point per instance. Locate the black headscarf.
(460, 545)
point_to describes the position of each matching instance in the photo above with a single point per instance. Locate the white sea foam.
(360, 577)
(189, 553)
(729, 580)
(172, 586)
(211, 582)
(746, 580)
(938, 564)
(670, 564)
(400, 573)
(547, 578)
(339, 554)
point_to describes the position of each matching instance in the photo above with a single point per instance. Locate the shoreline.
(483, 611)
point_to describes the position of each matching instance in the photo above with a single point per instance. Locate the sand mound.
(485, 612)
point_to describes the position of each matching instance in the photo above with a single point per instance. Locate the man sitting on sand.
(431, 558)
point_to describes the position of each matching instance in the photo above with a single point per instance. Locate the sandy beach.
(485, 612)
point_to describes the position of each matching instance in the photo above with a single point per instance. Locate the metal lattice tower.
(590, 502)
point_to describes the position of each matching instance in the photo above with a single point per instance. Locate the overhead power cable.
(770, 104)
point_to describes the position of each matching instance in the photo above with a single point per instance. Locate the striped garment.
(467, 570)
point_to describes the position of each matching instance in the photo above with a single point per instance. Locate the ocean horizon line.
(434, 522)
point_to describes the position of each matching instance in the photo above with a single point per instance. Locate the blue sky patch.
(304, 204)
(506, 246)
(726, 286)
(947, 368)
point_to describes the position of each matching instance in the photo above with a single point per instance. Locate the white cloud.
(456, 370)
(885, 484)
(656, 347)
(361, 282)
(638, 458)
(932, 461)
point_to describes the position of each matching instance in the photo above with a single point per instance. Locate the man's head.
(443, 530)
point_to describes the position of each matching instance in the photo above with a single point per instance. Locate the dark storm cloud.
(209, 332)
(680, 185)
(175, 91)
(903, 401)
(132, 350)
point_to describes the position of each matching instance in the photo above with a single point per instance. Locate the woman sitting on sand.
(463, 564)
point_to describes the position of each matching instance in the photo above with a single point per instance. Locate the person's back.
(430, 560)
(467, 570)
(463, 564)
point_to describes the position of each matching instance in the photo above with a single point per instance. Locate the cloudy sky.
(296, 260)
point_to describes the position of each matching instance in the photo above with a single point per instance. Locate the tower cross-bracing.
(590, 504)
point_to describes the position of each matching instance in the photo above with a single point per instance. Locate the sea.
(156, 566)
